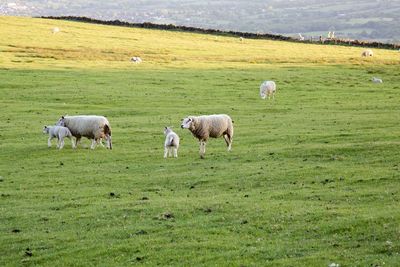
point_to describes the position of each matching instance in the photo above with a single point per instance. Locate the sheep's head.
(46, 129)
(61, 121)
(187, 123)
(167, 130)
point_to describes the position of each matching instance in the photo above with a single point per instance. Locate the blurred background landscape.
(372, 20)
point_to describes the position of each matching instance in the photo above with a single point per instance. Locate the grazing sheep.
(58, 132)
(55, 30)
(367, 53)
(171, 143)
(376, 80)
(204, 127)
(136, 60)
(267, 88)
(90, 126)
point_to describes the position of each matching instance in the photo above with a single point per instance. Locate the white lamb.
(58, 132)
(376, 80)
(267, 88)
(206, 126)
(367, 53)
(90, 126)
(171, 143)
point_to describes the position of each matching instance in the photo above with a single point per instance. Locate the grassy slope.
(313, 177)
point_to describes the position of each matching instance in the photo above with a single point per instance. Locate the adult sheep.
(267, 88)
(90, 126)
(367, 53)
(206, 126)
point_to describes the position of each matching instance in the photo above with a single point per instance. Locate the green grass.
(313, 177)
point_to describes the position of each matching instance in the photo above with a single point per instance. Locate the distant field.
(313, 177)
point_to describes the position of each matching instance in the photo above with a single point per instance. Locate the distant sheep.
(367, 53)
(58, 132)
(171, 143)
(267, 89)
(376, 80)
(90, 126)
(241, 39)
(55, 30)
(206, 126)
(136, 60)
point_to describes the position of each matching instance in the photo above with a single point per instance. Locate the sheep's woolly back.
(90, 126)
(58, 131)
(267, 88)
(214, 126)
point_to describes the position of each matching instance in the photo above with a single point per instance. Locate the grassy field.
(313, 177)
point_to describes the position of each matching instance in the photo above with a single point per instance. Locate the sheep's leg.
(49, 141)
(58, 142)
(175, 152)
(170, 151)
(100, 142)
(61, 145)
(202, 149)
(228, 141)
(94, 143)
(165, 152)
(72, 142)
(77, 139)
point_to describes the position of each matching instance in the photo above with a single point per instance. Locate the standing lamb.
(90, 126)
(171, 143)
(267, 88)
(206, 126)
(58, 132)
(376, 80)
(367, 53)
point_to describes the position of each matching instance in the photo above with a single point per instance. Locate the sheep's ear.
(62, 117)
(45, 126)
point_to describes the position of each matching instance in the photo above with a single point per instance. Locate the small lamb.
(60, 133)
(376, 80)
(267, 89)
(171, 143)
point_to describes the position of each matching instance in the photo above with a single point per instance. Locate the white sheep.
(367, 53)
(55, 30)
(267, 88)
(171, 143)
(58, 132)
(206, 126)
(376, 80)
(136, 60)
(90, 126)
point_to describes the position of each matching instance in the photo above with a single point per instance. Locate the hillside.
(366, 20)
(312, 178)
